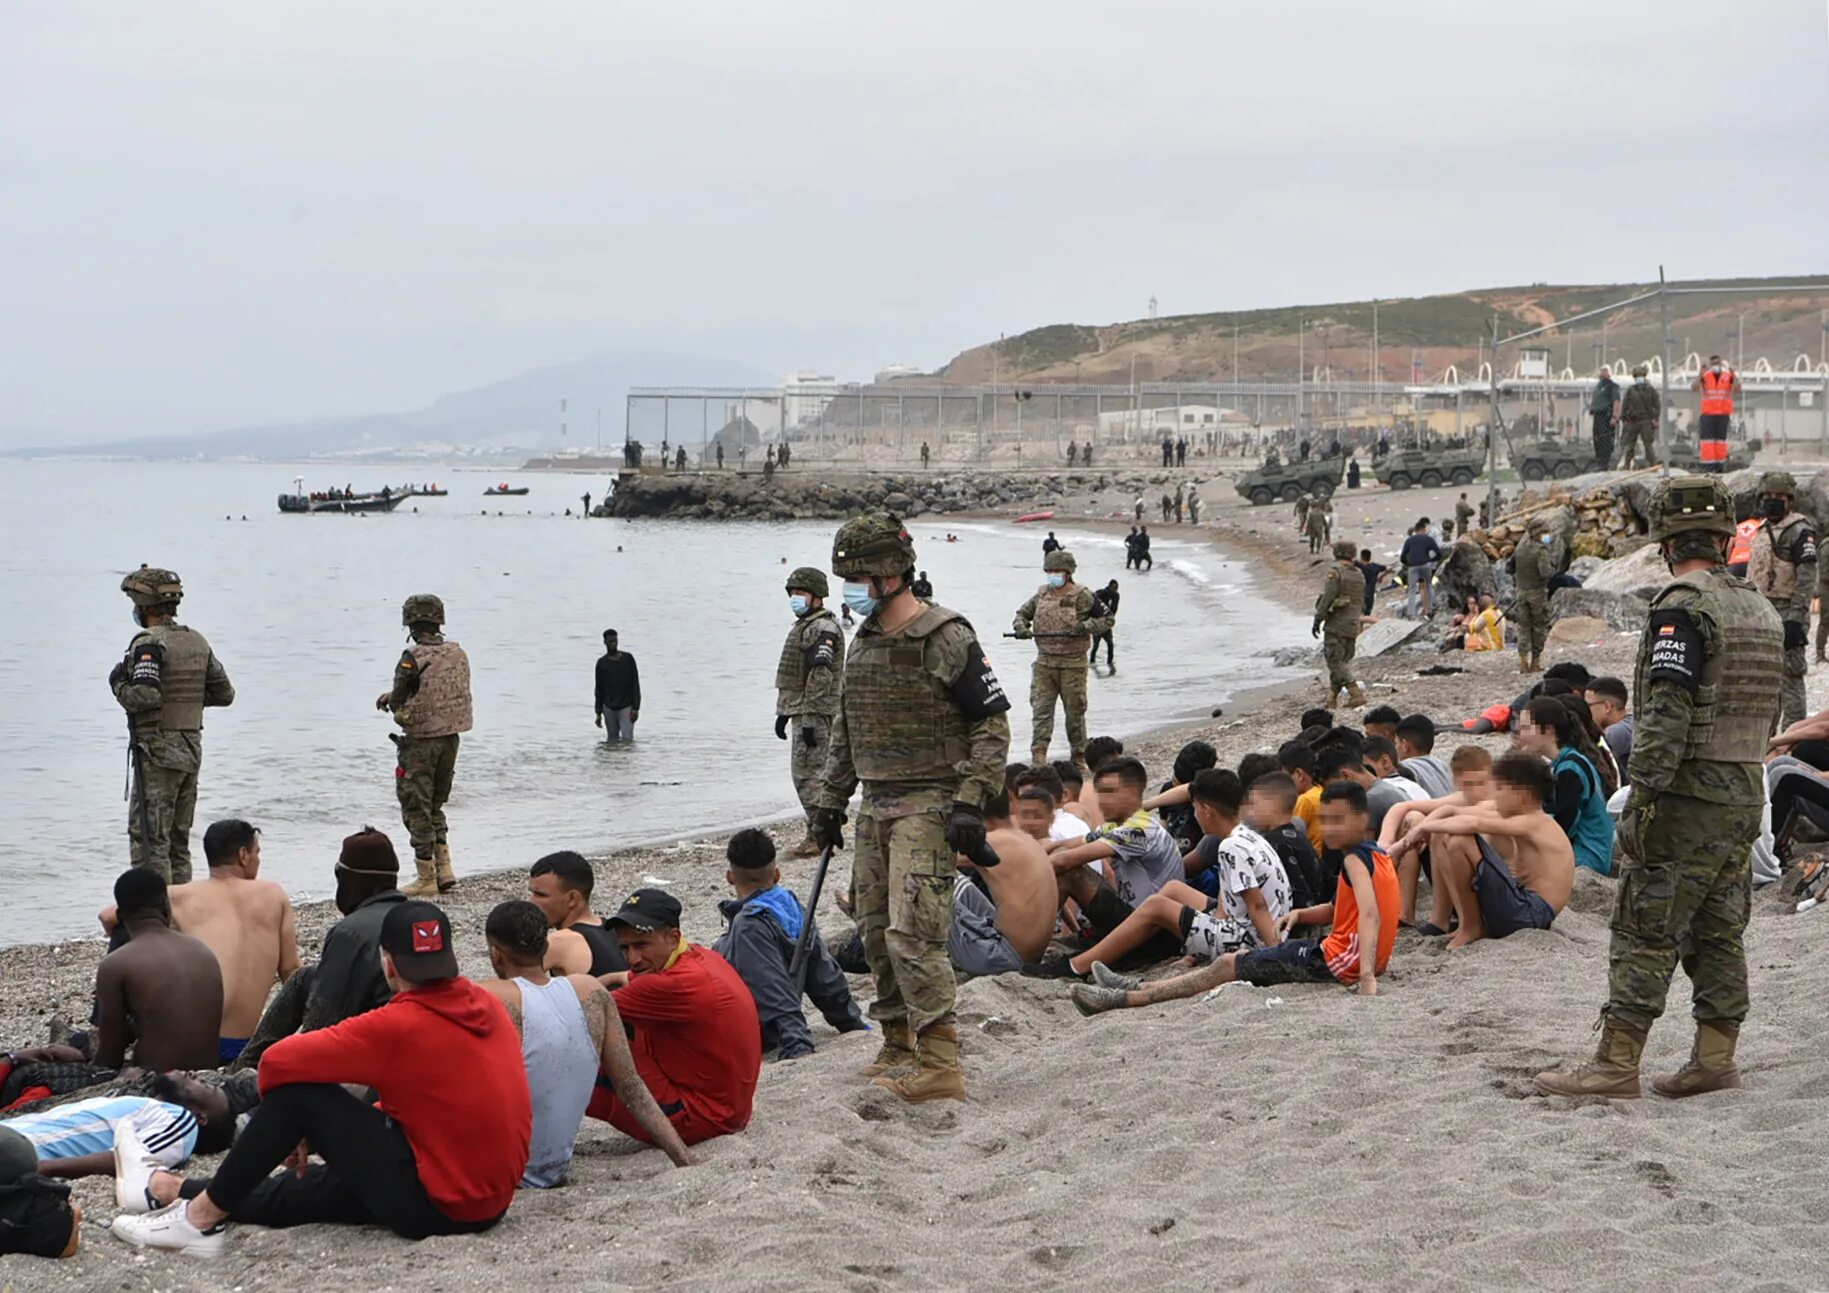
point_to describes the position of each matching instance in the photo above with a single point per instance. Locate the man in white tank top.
(570, 1032)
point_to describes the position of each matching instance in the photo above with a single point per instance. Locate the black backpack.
(35, 1216)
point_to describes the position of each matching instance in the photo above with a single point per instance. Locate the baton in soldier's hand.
(1044, 635)
(797, 967)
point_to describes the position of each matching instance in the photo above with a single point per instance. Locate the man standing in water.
(618, 700)
(167, 678)
(430, 700)
(809, 678)
(1064, 619)
(922, 723)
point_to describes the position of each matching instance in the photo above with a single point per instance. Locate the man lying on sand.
(1360, 916)
(1003, 915)
(77, 1139)
(1471, 769)
(1489, 898)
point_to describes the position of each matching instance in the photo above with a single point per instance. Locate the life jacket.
(1741, 553)
(1717, 391)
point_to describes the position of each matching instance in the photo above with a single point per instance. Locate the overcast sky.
(219, 214)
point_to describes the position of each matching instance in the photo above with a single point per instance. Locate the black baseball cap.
(648, 909)
(418, 936)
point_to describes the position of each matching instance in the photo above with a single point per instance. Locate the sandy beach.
(1271, 1138)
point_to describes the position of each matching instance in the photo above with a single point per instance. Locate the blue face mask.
(858, 598)
(1546, 540)
(800, 604)
(1056, 579)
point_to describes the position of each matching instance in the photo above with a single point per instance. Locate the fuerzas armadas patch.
(976, 690)
(1676, 648)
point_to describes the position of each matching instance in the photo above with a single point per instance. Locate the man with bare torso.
(165, 986)
(247, 922)
(1506, 865)
(1003, 915)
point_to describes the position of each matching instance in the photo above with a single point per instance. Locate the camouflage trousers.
(1063, 678)
(422, 782)
(1685, 892)
(165, 772)
(1797, 666)
(1636, 434)
(1530, 617)
(902, 878)
(807, 762)
(1338, 650)
(1822, 621)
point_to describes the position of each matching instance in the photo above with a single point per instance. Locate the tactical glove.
(965, 830)
(1796, 636)
(824, 826)
(1314, 630)
(781, 727)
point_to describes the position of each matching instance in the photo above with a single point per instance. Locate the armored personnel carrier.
(1288, 481)
(1430, 467)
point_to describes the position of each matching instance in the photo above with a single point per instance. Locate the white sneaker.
(170, 1229)
(133, 1169)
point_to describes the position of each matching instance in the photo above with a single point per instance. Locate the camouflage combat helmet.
(1685, 504)
(810, 578)
(422, 608)
(1344, 550)
(1060, 559)
(150, 586)
(1639, 370)
(875, 543)
(1778, 482)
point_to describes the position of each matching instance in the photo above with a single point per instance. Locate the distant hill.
(509, 417)
(1434, 331)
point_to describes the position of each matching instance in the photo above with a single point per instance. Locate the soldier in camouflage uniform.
(809, 678)
(1532, 568)
(1822, 615)
(1639, 411)
(1783, 566)
(1710, 667)
(1338, 610)
(1315, 525)
(430, 700)
(1063, 618)
(167, 678)
(922, 722)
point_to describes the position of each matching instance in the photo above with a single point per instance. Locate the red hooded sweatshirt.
(447, 1064)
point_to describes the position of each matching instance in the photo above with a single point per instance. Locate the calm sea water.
(304, 612)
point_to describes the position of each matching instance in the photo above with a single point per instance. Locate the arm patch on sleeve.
(825, 649)
(1806, 544)
(146, 665)
(976, 690)
(1676, 648)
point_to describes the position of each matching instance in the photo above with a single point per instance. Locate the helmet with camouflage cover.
(1778, 482)
(1640, 370)
(875, 543)
(810, 578)
(151, 586)
(1691, 504)
(422, 608)
(1343, 549)
(1060, 559)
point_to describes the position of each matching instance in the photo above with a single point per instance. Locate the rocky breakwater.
(811, 493)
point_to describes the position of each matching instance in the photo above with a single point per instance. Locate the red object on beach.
(1035, 516)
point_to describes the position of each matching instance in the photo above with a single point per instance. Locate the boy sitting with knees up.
(1491, 898)
(1138, 855)
(1471, 769)
(1253, 890)
(1362, 916)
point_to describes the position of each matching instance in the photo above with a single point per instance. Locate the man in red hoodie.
(439, 1153)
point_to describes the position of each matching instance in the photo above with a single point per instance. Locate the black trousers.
(1603, 439)
(368, 1176)
(1098, 638)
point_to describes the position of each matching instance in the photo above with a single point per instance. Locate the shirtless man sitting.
(1471, 768)
(1490, 898)
(165, 986)
(999, 931)
(247, 922)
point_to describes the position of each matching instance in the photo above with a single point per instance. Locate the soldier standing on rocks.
(1463, 515)
(1337, 611)
(809, 679)
(430, 700)
(1063, 618)
(1783, 566)
(165, 681)
(1710, 668)
(921, 722)
(1639, 411)
(1532, 570)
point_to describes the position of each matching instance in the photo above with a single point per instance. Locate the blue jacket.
(760, 949)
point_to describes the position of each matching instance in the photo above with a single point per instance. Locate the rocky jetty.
(811, 493)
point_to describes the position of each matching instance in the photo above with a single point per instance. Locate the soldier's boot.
(441, 857)
(1038, 758)
(1355, 694)
(807, 848)
(897, 1052)
(1524, 661)
(937, 1075)
(1711, 1064)
(426, 886)
(1613, 1072)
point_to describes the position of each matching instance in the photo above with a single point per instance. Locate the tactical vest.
(1718, 391)
(1531, 569)
(441, 706)
(1734, 708)
(793, 669)
(1057, 611)
(1342, 613)
(902, 721)
(1766, 568)
(1640, 404)
(181, 678)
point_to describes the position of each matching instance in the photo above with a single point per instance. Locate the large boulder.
(1642, 574)
(1579, 631)
(1624, 612)
(1465, 571)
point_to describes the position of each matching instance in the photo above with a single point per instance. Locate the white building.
(1174, 419)
(805, 394)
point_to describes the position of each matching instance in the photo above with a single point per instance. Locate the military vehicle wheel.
(1291, 492)
(1462, 476)
(1260, 496)
(1323, 489)
(1431, 479)
(1401, 480)
(1567, 468)
(1531, 469)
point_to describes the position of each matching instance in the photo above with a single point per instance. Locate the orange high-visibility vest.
(1742, 550)
(1718, 391)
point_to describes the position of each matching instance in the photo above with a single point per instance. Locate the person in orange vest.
(1717, 383)
(1740, 553)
